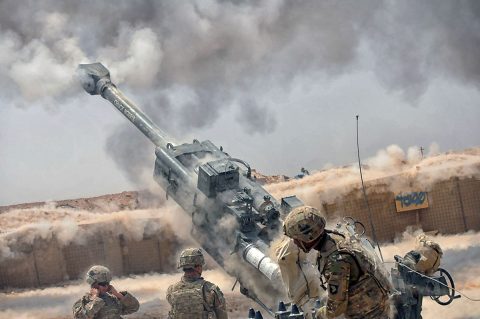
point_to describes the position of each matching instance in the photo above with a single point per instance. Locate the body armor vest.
(368, 297)
(189, 301)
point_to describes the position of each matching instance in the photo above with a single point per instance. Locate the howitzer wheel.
(451, 289)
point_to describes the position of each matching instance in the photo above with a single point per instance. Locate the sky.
(276, 83)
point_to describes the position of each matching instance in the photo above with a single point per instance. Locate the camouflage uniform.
(354, 289)
(106, 305)
(193, 297)
(356, 286)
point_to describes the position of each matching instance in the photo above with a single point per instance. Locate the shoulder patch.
(333, 289)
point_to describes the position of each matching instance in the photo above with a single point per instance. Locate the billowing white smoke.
(139, 63)
(43, 68)
(213, 45)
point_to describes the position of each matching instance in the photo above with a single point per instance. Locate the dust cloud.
(56, 302)
(461, 258)
(20, 227)
(422, 173)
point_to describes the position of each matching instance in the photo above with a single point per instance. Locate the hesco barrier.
(449, 207)
(47, 261)
(453, 207)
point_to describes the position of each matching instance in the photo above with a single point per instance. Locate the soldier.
(356, 287)
(425, 259)
(426, 256)
(103, 301)
(193, 297)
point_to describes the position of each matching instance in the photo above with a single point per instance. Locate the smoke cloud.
(256, 119)
(228, 47)
(228, 54)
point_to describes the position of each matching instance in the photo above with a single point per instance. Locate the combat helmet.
(304, 223)
(98, 273)
(191, 257)
(423, 240)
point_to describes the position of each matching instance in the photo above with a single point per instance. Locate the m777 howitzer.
(211, 186)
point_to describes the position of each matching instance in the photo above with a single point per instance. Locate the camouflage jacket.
(196, 298)
(106, 306)
(352, 291)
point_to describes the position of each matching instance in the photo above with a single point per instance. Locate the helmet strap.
(314, 244)
(321, 241)
(301, 245)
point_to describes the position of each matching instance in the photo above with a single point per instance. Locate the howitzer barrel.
(207, 183)
(96, 80)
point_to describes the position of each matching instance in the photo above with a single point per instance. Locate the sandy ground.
(150, 289)
(461, 258)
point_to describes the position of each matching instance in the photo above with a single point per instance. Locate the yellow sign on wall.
(411, 201)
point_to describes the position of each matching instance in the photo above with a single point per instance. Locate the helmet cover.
(191, 257)
(98, 273)
(304, 223)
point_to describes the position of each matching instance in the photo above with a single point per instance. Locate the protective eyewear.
(103, 284)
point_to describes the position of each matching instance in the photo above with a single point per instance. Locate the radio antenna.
(366, 198)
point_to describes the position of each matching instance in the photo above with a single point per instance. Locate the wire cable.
(432, 279)
(366, 199)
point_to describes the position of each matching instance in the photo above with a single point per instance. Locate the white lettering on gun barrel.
(124, 110)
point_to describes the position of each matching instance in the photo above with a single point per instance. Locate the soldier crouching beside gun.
(193, 297)
(103, 301)
(356, 287)
(426, 256)
(423, 260)
(299, 274)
